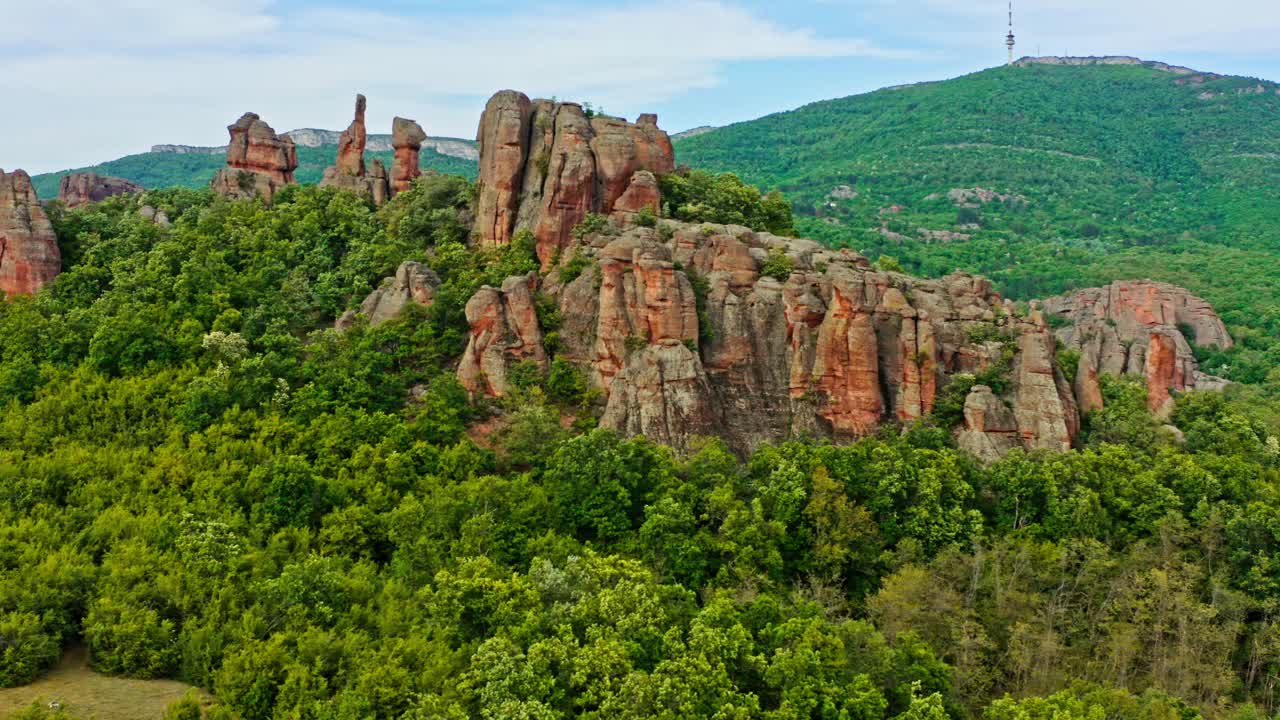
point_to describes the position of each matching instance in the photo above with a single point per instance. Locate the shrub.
(26, 649)
(777, 265)
(127, 640)
(592, 224)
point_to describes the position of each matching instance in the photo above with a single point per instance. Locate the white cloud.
(106, 83)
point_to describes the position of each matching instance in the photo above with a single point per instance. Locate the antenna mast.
(1008, 40)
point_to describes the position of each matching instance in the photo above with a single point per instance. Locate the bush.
(777, 265)
(592, 224)
(131, 641)
(699, 196)
(26, 649)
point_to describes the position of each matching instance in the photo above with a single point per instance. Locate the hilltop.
(1049, 175)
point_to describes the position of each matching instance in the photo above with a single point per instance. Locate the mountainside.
(1046, 176)
(194, 169)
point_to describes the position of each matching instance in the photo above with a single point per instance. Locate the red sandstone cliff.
(1137, 327)
(545, 165)
(29, 256)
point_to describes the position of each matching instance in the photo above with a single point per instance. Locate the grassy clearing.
(87, 694)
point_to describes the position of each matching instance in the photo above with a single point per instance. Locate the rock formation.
(504, 332)
(407, 138)
(990, 429)
(259, 162)
(545, 165)
(29, 256)
(833, 350)
(349, 171)
(79, 189)
(1138, 327)
(412, 283)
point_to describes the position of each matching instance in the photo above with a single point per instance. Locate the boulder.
(79, 189)
(29, 255)
(642, 192)
(407, 137)
(412, 283)
(663, 394)
(259, 162)
(990, 429)
(504, 332)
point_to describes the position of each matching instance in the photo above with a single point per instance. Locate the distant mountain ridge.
(314, 137)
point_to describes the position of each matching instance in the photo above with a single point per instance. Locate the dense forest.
(200, 479)
(1096, 173)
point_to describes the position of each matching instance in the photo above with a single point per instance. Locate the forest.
(200, 479)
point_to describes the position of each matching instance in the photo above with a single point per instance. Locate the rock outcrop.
(29, 255)
(504, 332)
(684, 336)
(545, 165)
(78, 189)
(407, 137)
(1142, 328)
(350, 171)
(412, 283)
(990, 429)
(259, 162)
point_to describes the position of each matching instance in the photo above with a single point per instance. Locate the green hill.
(166, 169)
(1108, 172)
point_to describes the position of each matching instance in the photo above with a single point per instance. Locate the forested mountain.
(1043, 177)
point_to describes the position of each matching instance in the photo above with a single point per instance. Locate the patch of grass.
(83, 693)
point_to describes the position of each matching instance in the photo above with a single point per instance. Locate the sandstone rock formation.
(504, 332)
(79, 189)
(990, 428)
(407, 137)
(259, 162)
(1137, 327)
(834, 350)
(412, 283)
(29, 256)
(349, 171)
(545, 165)
(642, 192)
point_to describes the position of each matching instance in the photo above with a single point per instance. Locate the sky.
(85, 81)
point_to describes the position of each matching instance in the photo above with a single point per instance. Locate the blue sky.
(87, 81)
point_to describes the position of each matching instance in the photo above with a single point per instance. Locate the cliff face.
(79, 189)
(29, 256)
(545, 165)
(259, 162)
(834, 349)
(1138, 327)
